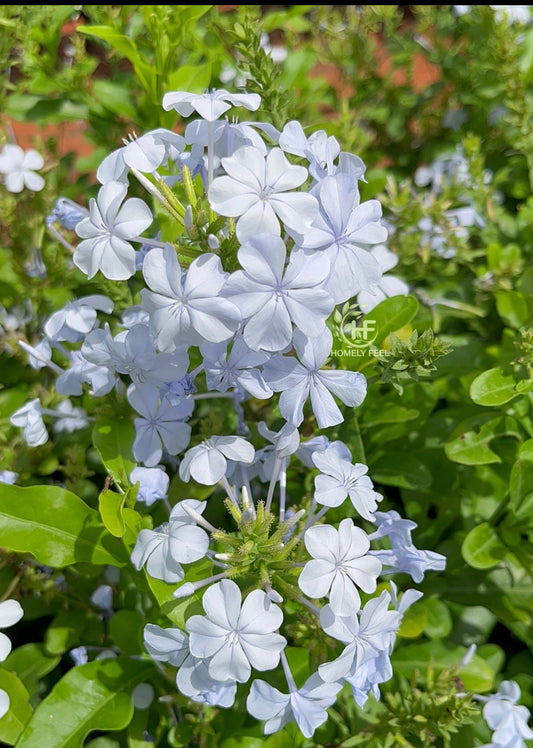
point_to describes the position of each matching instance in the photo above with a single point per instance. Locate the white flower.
(107, 232)
(10, 613)
(187, 308)
(306, 705)
(272, 298)
(506, 718)
(339, 479)
(153, 484)
(367, 637)
(19, 168)
(340, 562)
(388, 285)
(194, 681)
(166, 645)
(210, 105)
(178, 541)
(233, 638)
(30, 419)
(207, 462)
(257, 191)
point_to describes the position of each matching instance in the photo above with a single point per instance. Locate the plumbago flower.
(228, 317)
(19, 167)
(107, 233)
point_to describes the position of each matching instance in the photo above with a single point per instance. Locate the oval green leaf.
(482, 548)
(493, 387)
(113, 438)
(56, 527)
(391, 315)
(12, 724)
(96, 696)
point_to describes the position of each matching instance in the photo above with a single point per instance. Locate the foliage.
(447, 426)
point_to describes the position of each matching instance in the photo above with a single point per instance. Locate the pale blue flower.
(77, 318)
(319, 149)
(210, 105)
(256, 191)
(10, 613)
(166, 645)
(19, 167)
(133, 352)
(67, 213)
(339, 478)
(187, 308)
(179, 541)
(101, 378)
(161, 424)
(207, 462)
(153, 484)
(403, 556)
(342, 229)
(340, 564)
(306, 705)
(239, 368)
(107, 232)
(298, 381)
(145, 153)
(388, 286)
(272, 298)
(366, 636)
(506, 718)
(391, 524)
(8, 476)
(193, 680)
(30, 419)
(69, 418)
(235, 638)
(102, 598)
(410, 560)
(229, 136)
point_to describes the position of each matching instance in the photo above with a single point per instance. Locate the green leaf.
(116, 98)
(111, 505)
(243, 741)
(96, 696)
(30, 663)
(414, 622)
(177, 611)
(113, 438)
(482, 547)
(392, 314)
(190, 78)
(402, 469)
(472, 447)
(438, 619)
(477, 676)
(521, 482)
(493, 387)
(512, 308)
(12, 724)
(56, 527)
(125, 628)
(65, 631)
(126, 47)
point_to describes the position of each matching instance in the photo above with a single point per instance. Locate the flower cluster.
(256, 236)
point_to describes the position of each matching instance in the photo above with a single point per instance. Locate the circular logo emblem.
(354, 331)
